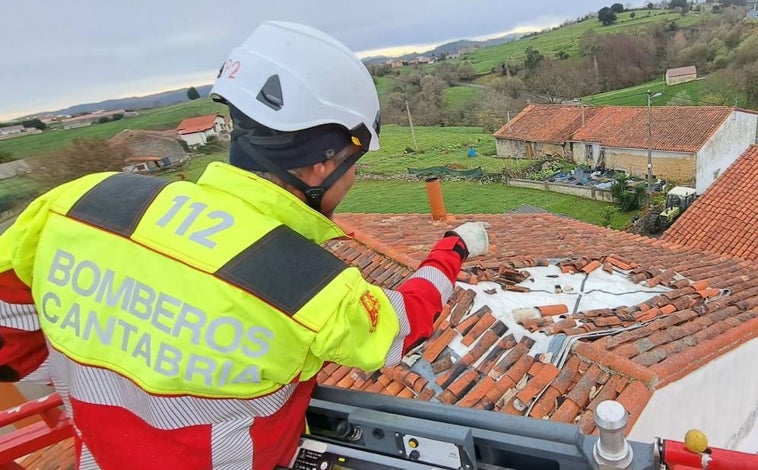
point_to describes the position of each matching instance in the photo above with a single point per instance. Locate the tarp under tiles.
(578, 291)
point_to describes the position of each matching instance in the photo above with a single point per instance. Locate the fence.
(587, 192)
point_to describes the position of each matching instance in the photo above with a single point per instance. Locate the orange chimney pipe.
(434, 193)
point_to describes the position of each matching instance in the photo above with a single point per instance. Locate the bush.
(212, 145)
(628, 199)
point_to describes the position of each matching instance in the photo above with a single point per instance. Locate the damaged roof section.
(550, 336)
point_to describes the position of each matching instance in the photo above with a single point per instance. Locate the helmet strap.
(313, 194)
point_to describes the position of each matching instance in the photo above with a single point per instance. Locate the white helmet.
(291, 77)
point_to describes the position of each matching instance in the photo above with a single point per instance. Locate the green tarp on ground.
(439, 171)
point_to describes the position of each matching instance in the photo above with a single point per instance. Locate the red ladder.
(54, 427)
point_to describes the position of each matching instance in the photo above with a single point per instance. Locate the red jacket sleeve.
(428, 289)
(22, 344)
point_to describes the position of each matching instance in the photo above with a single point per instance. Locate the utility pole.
(410, 121)
(650, 96)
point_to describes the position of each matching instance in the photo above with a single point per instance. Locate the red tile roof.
(681, 71)
(546, 123)
(724, 219)
(675, 128)
(672, 334)
(196, 124)
(669, 335)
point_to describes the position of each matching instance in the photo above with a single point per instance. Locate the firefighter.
(184, 324)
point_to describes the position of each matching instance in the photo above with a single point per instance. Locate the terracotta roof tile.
(531, 123)
(709, 301)
(493, 372)
(677, 128)
(716, 221)
(196, 124)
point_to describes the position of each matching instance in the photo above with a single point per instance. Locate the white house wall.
(219, 125)
(196, 138)
(720, 399)
(729, 142)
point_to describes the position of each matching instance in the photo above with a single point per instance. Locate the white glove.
(474, 235)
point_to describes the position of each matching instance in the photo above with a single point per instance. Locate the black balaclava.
(255, 147)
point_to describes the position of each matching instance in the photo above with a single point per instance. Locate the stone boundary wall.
(587, 192)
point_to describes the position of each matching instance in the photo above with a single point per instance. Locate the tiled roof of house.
(623, 353)
(196, 124)
(546, 123)
(680, 71)
(674, 128)
(724, 219)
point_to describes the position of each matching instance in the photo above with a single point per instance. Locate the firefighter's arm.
(374, 327)
(22, 345)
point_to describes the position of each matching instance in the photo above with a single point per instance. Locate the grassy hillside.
(568, 37)
(157, 119)
(682, 94)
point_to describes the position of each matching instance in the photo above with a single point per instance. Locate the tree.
(510, 86)
(650, 6)
(427, 105)
(619, 8)
(192, 93)
(679, 4)
(492, 109)
(559, 80)
(533, 58)
(34, 123)
(606, 16)
(467, 71)
(83, 156)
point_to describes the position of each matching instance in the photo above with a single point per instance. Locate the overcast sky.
(58, 53)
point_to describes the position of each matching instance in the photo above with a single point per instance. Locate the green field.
(155, 119)
(443, 146)
(462, 197)
(435, 146)
(460, 97)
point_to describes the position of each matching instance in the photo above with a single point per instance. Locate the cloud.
(76, 51)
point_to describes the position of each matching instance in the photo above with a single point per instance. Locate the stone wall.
(507, 148)
(679, 167)
(587, 192)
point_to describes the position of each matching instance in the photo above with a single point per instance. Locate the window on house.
(588, 151)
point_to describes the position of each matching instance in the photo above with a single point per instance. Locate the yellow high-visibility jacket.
(193, 318)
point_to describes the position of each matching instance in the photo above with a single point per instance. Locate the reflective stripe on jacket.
(196, 316)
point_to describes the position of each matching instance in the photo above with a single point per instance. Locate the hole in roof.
(544, 297)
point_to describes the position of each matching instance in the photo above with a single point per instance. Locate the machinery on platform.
(354, 430)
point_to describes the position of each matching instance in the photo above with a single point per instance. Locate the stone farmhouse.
(690, 145)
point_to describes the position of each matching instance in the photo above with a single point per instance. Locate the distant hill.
(167, 98)
(157, 100)
(447, 48)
